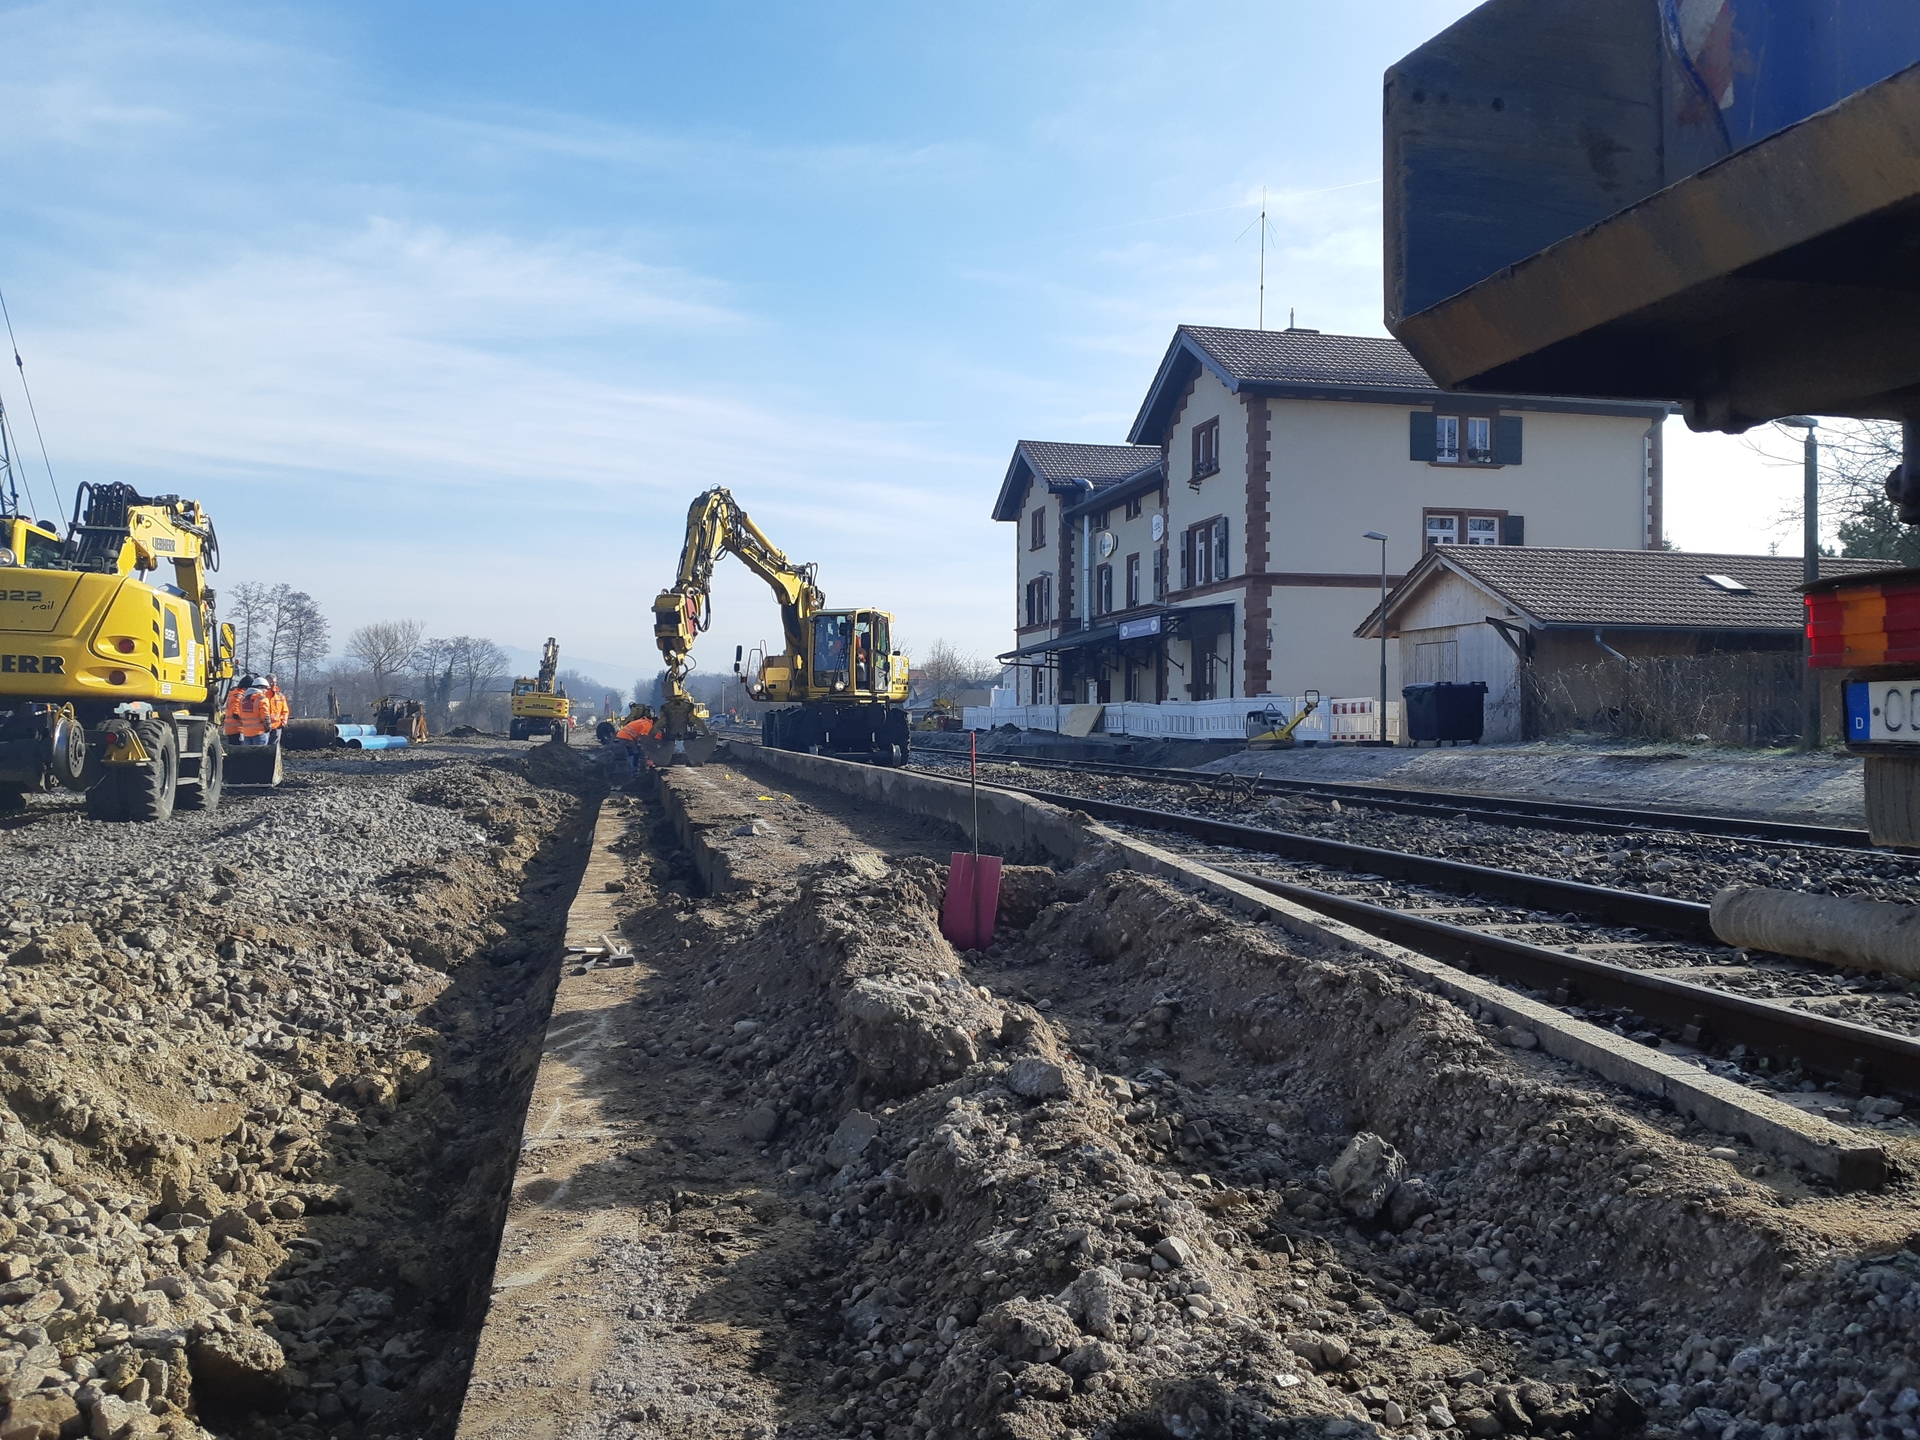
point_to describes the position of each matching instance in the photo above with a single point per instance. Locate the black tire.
(12, 801)
(213, 777)
(150, 789)
(516, 730)
(558, 732)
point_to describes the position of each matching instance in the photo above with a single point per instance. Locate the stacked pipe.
(371, 741)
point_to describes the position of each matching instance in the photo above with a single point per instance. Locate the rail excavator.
(842, 682)
(111, 683)
(540, 707)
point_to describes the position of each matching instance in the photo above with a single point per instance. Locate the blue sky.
(448, 310)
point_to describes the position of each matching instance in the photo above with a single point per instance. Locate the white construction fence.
(1334, 722)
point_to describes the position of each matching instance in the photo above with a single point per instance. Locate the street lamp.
(1376, 535)
(1810, 572)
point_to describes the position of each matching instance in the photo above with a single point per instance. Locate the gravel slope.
(260, 1080)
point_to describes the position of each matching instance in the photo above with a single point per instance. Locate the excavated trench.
(263, 1076)
(1140, 1169)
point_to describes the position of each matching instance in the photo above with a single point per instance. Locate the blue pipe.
(377, 742)
(348, 732)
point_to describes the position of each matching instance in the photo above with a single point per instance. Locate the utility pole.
(1810, 572)
(1376, 535)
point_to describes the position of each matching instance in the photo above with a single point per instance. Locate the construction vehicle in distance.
(540, 707)
(1271, 729)
(110, 683)
(397, 715)
(843, 684)
(942, 715)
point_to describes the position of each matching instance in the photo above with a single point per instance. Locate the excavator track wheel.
(213, 777)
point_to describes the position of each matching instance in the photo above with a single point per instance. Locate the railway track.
(1668, 977)
(1568, 816)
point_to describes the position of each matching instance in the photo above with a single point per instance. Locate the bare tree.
(1856, 457)
(946, 670)
(386, 648)
(435, 659)
(480, 663)
(305, 635)
(249, 606)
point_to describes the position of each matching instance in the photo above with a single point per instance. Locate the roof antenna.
(1289, 317)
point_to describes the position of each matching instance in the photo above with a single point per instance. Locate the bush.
(1744, 699)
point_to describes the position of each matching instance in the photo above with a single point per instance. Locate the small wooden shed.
(1568, 638)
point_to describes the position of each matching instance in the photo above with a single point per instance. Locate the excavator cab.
(33, 544)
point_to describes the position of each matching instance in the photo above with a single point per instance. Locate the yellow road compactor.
(113, 683)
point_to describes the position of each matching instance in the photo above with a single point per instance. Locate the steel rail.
(1572, 816)
(1836, 1049)
(1685, 919)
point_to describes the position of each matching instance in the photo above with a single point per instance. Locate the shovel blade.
(972, 902)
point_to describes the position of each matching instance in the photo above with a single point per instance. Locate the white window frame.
(1446, 439)
(1479, 440)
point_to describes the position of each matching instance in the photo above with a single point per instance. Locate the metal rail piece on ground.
(1685, 919)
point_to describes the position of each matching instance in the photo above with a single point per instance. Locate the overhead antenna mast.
(21, 366)
(1263, 257)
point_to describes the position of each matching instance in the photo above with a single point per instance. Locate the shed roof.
(1058, 464)
(1628, 589)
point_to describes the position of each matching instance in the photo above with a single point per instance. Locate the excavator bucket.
(699, 748)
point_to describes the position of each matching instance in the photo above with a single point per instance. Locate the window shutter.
(1513, 530)
(1420, 435)
(1186, 560)
(1221, 567)
(1506, 441)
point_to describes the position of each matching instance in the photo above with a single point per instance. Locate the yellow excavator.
(111, 683)
(540, 707)
(843, 684)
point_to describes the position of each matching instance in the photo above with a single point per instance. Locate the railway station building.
(1218, 552)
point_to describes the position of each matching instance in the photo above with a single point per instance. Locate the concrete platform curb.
(1012, 824)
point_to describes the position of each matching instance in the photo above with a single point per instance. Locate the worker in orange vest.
(639, 727)
(255, 709)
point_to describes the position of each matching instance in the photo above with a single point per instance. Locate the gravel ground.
(1143, 1169)
(1822, 788)
(261, 1080)
(1683, 866)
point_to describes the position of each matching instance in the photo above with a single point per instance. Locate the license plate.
(1885, 712)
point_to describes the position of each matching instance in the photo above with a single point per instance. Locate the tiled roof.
(1282, 357)
(1632, 588)
(1307, 365)
(1055, 461)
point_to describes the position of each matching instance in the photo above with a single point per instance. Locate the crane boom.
(716, 526)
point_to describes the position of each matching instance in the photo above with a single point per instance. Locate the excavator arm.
(716, 525)
(549, 665)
